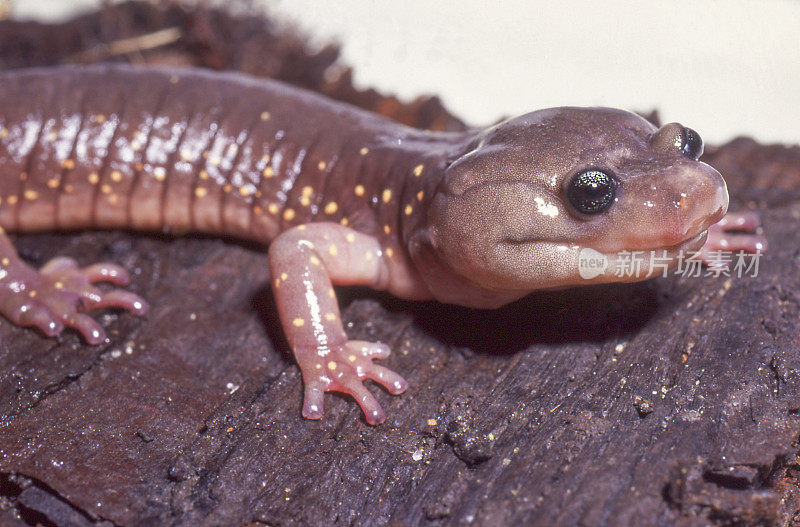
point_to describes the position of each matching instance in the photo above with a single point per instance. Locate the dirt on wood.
(670, 402)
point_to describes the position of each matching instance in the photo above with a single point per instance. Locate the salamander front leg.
(304, 263)
(57, 295)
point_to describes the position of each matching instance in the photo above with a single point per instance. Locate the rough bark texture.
(673, 402)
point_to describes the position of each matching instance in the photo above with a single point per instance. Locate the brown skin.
(346, 197)
(502, 221)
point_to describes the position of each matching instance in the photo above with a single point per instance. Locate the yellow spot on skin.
(420, 195)
(265, 116)
(203, 174)
(314, 260)
(23, 176)
(272, 208)
(364, 151)
(331, 293)
(284, 276)
(351, 358)
(350, 237)
(32, 294)
(216, 161)
(59, 285)
(368, 256)
(359, 190)
(186, 155)
(68, 188)
(298, 322)
(266, 158)
(245, 191)
(206, 154)
(344, 221)
(30, 195)
(301, 227)
(332, 365)
(139, 167)
(116, 176)
(227, 187)
(5, 261)
(386, 196)
(288, 214)
(322, 165)
(105, 189)
(113, 199)
(174, 79)
(408, 210)
(160, 173)
(331, 208)
(52, 183)
(432, 422)
(94, 178)
(304, 201)
(52, 136)
(318, 366)
(69, 164)
(330, 317)
(307, 190)
(201, 192)
(387, 229)
(277, 282)
(268, 172)
(100, 118)
(3, 133)
(12, 200)
(333, 251)
(389, 252)
(418, 170)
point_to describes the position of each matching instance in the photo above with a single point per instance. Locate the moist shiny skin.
(115, 146)
(346, 197)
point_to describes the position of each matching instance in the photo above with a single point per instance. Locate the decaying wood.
(673, 402)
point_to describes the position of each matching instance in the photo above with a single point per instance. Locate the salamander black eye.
(591, 191)
(692, 144)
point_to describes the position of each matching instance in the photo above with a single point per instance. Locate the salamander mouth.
(687, 246)
(692, 244)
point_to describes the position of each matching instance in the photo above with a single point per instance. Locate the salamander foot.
(343, 369)
(735, 232)
(57, 295)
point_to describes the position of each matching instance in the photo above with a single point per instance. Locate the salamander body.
(345, 197)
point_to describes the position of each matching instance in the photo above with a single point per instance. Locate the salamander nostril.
(692, 144)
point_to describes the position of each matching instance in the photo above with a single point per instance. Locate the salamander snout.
(703, 202)
(694, 197)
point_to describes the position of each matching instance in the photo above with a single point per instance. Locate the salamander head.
(532, 195)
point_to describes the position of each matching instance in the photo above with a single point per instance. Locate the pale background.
(725, 68)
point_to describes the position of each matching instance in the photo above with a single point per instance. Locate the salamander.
(343, 196)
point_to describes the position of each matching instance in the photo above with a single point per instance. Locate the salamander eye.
(692, 146)
(591, 191)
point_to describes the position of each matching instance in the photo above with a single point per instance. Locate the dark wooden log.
(672, 402)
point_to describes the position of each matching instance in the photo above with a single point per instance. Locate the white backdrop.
(723, 67)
